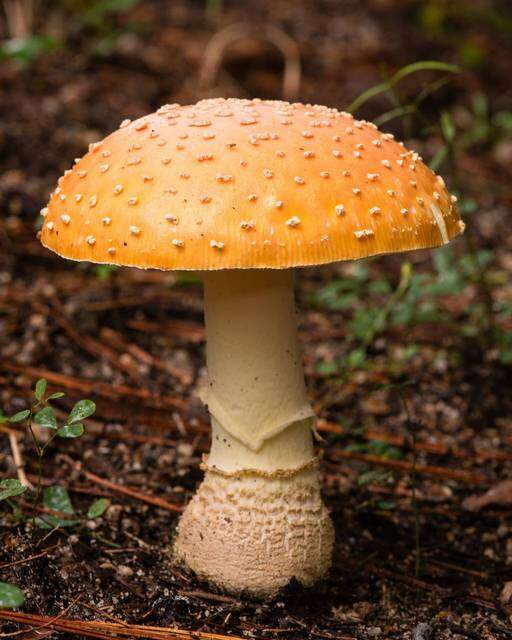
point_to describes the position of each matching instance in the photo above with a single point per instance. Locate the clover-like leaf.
(46, 418)
(10, 596)
(20, 416)
(57, 498)
(10, 488)
(74, 430)
(82, 409)
(40, 389)
(98, 508)
(56, 395)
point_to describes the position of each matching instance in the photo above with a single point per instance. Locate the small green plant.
(99, 19)
(54, 498)
(373, 307)
(412, 428)
(26, 50)
(400, 107)
(481, 128)
(367, 321)
(375, 477)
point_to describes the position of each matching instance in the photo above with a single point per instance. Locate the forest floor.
(414, 404)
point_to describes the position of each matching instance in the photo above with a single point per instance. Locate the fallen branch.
(118, 488)
(469, 477)
(96, 387)
(98, 629)
(422, 585)
(410, 581)
(93, 346)
(77, 488)
(29, 559)
(135, 351)
(184, 330)
(49, 623)
(435, 448)
(222, 39)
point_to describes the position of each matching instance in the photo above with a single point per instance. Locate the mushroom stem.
(257, 520)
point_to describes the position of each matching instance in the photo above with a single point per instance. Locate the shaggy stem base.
(253, 534)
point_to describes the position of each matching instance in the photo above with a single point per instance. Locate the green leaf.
(10, 488)
(103, 271)
(46, 418)
(438, 159)
(423, 65)
(95, 14)
(74, 430)
(409, 352)
(10, 596)
(386, 505)
(40, 389)
(327, 368)
(379, 287)
(367, 95)
(481, 106)
(98, 508)
(356, 359)
(20, 416)
(373, 477)
(56, 395)
(503, 119)
(366, 323)
(356, 447)
(397, 112)
(384, 450)
(82, 409)
(447, 127)
(57, 498)
(26, 50)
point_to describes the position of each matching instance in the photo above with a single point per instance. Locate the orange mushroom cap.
(227, 184)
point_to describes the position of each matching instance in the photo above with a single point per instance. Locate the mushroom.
(242, 191)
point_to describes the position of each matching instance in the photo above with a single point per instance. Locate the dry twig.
(18, 460)
(98, 629)
(132, 493)
(102, 389)
(469, 477)
(225, 37)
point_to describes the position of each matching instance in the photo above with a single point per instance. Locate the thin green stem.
(415, 503)
(40, 451)
(413, 479)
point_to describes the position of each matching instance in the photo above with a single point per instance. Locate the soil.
(133, 342)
